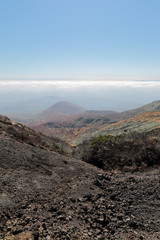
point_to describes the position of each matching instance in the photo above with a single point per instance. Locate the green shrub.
(125, 151)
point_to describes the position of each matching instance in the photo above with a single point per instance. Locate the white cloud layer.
(115, 95)
(72, 85)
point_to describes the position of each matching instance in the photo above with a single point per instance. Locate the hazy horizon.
(34, 96)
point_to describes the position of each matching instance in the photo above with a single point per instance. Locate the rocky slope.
(21, 133)
(44, 195)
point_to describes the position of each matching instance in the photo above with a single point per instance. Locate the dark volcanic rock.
(42, 197)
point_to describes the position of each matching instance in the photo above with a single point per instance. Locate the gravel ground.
(44, 195)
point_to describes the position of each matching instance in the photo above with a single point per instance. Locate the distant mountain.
(67, 115)
(98, 112)
(143, 122)
(118, 116)
(28, 108)
(151, 107)
(65, 108)
(87, 124)
(59, 110)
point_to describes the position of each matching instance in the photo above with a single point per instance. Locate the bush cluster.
(126, 151)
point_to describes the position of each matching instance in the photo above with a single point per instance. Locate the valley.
(109, 191)
(75, 128)
(48, 196)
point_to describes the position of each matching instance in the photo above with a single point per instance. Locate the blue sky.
(80, 39)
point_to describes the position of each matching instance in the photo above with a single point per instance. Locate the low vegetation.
(26, 135)
(130, 151)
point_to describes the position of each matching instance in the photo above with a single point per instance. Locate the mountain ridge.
(87, 125)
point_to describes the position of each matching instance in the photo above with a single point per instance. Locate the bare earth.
(44, 195)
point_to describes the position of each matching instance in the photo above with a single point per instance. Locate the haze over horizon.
(34, 96)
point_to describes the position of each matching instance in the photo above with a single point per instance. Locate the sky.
(82, 39)
(52, 47)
